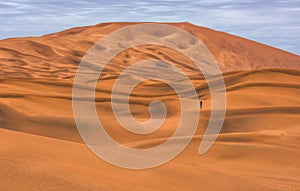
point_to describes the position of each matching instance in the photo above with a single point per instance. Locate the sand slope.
(42, 150)
(56, 55)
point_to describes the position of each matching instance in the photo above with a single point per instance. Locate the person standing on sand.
(200, 104)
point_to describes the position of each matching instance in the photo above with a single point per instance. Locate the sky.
(276, 23)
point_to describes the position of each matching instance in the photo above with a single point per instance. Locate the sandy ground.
(41, 148)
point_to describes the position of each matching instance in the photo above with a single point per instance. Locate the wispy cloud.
(271, 22)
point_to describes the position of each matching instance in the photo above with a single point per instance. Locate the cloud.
(271, 22)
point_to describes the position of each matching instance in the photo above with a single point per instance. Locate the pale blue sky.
(276, 23)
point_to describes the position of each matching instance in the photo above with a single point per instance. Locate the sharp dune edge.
(258, 148)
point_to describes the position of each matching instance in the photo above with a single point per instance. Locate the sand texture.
(41, 149)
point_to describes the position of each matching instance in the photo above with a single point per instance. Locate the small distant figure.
(200, 104)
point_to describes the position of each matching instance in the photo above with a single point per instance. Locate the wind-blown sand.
(41, 148)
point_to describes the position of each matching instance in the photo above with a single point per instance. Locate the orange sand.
(42, 150)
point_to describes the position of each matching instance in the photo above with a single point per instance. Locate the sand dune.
(41, 147)
(56, 56)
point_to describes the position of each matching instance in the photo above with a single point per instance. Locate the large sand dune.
(41, 148)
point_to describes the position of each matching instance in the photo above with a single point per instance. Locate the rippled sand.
(41, 148)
